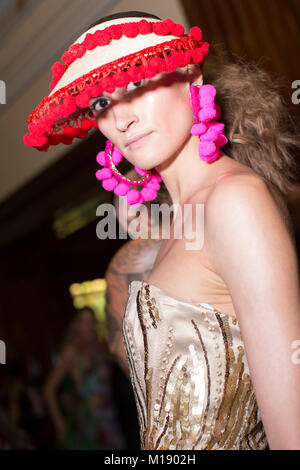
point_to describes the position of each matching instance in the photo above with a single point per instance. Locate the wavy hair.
(261, 130)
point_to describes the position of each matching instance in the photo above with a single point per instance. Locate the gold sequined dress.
(189, 374)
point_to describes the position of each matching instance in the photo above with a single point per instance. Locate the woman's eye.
(135, 85)
(102, 104)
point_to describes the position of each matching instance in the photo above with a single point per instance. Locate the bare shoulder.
(245, 192)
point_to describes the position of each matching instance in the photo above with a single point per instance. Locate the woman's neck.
(186, 173)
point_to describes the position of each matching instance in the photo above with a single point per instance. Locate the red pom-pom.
(70, 131)
(69, 106)
(158, 63)
(186, 58)
(144, 27)
(83, 100)
(135, 74)
(121, 79)
(81, 50)
(197, 55)
(77, 50)
(86, 124)
(196, 33)
(149, 71)
(57, 69)
(57, 72)
(67, 139)
(171, 64)
(96, 90)
(205, 48)
(82, 133)
(67, 58)
(90, 41)
(177, 58)
(108, 84)
(115, 31)
(178, 30)
(170, 23)
(55, 139)
(130, 30)
(160, 28)
(102, 38)
(34, 141)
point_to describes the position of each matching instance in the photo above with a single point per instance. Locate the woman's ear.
(195, 73)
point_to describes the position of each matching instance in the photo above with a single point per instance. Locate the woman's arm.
(131, 262)
(254, 254)
(51, 385)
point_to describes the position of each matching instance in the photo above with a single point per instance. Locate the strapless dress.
(189, 375)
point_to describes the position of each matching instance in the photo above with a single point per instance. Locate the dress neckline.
(194, 304)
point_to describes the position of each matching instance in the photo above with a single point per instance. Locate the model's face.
(159, 106)
(86, 324)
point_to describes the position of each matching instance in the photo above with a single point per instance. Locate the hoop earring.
(113, 180)
(206, 114)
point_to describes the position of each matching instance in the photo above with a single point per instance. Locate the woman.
(210, 333)
(87, 418)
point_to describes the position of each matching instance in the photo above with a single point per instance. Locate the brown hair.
(260, 128)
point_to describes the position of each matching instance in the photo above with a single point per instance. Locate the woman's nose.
(124, 116)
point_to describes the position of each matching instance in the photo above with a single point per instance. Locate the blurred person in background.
(78, 390)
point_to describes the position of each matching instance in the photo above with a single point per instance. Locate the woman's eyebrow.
(96, 97)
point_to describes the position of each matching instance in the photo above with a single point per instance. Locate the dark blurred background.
(48, 201)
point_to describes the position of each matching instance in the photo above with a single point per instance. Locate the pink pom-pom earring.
(206, 114)
(113, 180)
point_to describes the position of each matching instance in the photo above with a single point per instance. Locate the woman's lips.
(139, 141)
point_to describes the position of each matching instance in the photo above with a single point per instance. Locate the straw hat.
(108, 55)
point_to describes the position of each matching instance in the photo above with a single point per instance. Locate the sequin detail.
(189, 374)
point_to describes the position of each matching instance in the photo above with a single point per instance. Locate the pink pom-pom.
(153, 185)
(206, 149)
(218, 126)
(149, 194)
(110, 184)
(207, 90)
(207, 113)
(121, 190)
(116, 155)
(218, 112)
(207, 101)
(140, 171)
(210, 134)
(100, 158)
(212, 157)
(104, 173)
(134, 197)
(156, 177)
(198, 129)
(221, 140)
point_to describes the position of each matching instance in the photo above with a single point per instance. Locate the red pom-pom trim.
(144, 27)
(130, 30)
(115, 31)
(59, 118)
(178, 30)
(161, 28)
(196, 33)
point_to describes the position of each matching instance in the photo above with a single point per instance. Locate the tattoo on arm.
(133, 261)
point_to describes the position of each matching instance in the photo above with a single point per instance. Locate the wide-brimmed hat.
(108, 56)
